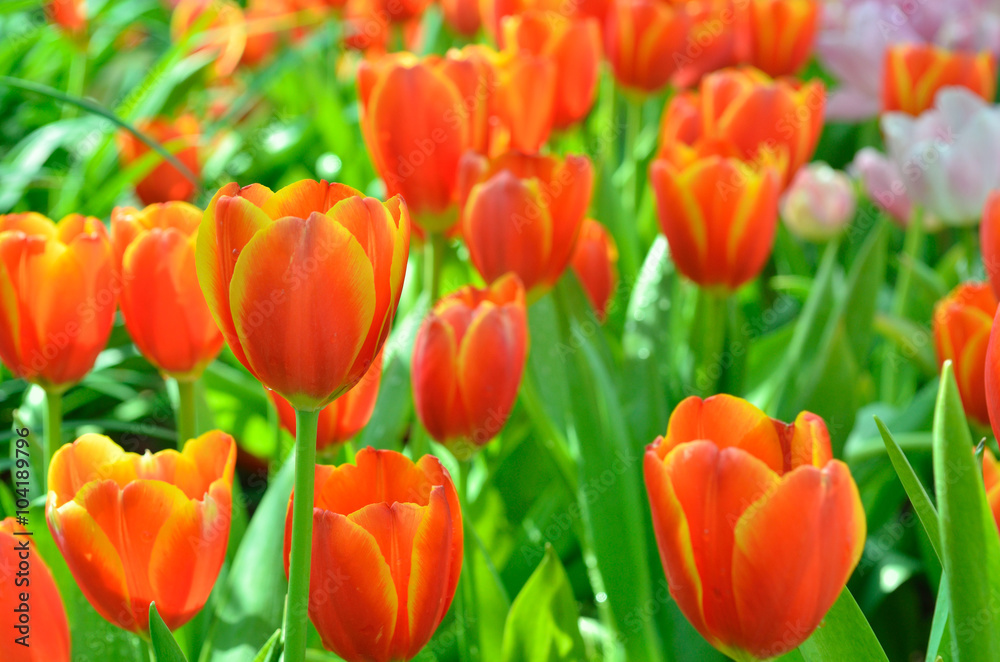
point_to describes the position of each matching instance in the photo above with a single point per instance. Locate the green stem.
(433, 261)
(187, 425)
(300, 558)
(146, 648)
(629, 187)
(53, 430)
(708, 340)
(912, 243)
(278, 456)
(470, 626)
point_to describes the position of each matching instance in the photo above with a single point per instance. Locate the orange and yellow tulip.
(416, 127)
(386, 554)
(914, 73)
(989, 240)
(781, 34)
(719, 216)
(343, 418)
(522, 213)
(642, 40)
(58, 295)
(468, 359)
(745, 114)
(141, 528)
(164, 182)
(595, 263)
(523, 102)
(962, 323)
(38, 630)
(163, 306)
(573, 45)
(270, 263)
(712, 40)
(69, 15)
(784, 514)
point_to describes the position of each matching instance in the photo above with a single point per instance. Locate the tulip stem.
(708, 340)
(300, 558)
(187, 425)
(913, 240)
(53, 430)
(470, 649)
(433, 261)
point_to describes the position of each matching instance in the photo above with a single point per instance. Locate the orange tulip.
(991, 480)
(141, 528)
(711, 43)
(595, 263)
(386, 554)
(573, 45)
(365, 29)
(462, 16)
(70, 15)
(161, 301)
(343, 418)
(783, 515)
(522, 213)
(224, 31)
(989, 240)
(962, 323)
(914, 73)
(468, 359)
(719, 216)
(743, 113)
(417, 124)
(493, 12)
(524, 101)
(781, 34)
(271, 263)
(164, 183)
(58, 295)
(37, 629)
(644, 41)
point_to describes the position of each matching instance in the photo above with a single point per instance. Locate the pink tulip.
(819, 204)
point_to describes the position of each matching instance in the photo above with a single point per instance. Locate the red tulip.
(164, 183)
(642, 40)
(462, 16)
(595, 263)
(70, 15)
(711, 42)
(524, 101)
(989, 240)
(58, 296)
(758, 526)
(962, 323)
(386, 554)
(468, 359)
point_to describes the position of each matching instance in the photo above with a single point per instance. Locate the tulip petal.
(436, 394)
(378, 476)
(305, 197)
(428, 596)
(91, 457)
(438, 475)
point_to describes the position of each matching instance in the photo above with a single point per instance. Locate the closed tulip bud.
(819, 204)
(595, 263)
(163, 306)
(416, 126)
(69, 15)
(135, 529)
(573, 45)
(343, 418)
(462, 16)
(223, 31)
(642, 40)
(270, 263)
(989, 240)
(783, 515)
(468, 360)
(719, 216)
(164, 183)
(386, 554)
(962, 323)
(58, 295)
(781, 34)
(522, 213)
(914, 73)
(38, 630)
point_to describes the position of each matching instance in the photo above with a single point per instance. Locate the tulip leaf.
(843, 635)
(969, 541)
(253, 597)
(939, 642)
(542, 625)
(914, 488)
(164, 644)
(271, 652)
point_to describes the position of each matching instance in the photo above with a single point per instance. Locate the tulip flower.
(991, 480)
(962, 323)
(224, 31)
(883, 184)
(711, 43)
(989, 240)
(947, 154)
(37, 629)
(743, 113)
(163, 306)
(387, 554)
(914, 73)
(595, 263)
(719, 216)
(416, 127)
(69, 15)
(522, 213)
(573, 45)
(819, 204)
(781, 34)
(524, 101)
(643, 39)
(164, 182)
(468, 359)
(141, 528)
(462, 16)
(783, 515)
(343, 418)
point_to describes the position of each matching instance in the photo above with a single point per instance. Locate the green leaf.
(542, 623)
(271, 652)
(164, 644)
(969, 539)
(939, 642)
(914, 488)
(843, 635)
